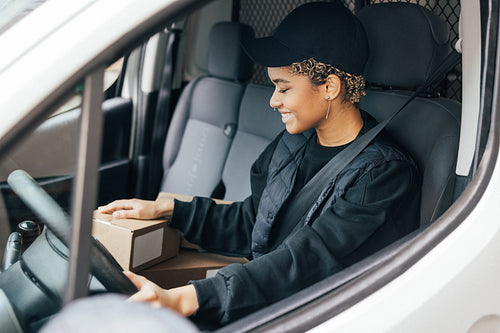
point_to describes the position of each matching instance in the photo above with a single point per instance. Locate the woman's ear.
(333, 86)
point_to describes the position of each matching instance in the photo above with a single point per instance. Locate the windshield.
(15, 10)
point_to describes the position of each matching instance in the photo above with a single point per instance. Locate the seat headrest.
(226, 58)
(407, 43)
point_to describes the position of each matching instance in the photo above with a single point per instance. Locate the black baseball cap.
(325, 31)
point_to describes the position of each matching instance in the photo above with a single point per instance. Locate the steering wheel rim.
(103, 265)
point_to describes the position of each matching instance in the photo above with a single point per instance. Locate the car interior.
(198, 134)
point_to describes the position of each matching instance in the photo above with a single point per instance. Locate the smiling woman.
(368, 205)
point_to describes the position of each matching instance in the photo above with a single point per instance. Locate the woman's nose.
(275, 101)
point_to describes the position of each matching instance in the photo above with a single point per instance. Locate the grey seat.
(407, 43)
(258, 125)
(205, 118)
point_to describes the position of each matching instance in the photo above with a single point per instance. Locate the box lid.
(129, 224)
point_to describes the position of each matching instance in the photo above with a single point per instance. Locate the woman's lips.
(285, 116)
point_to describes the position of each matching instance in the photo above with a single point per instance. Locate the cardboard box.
(188, 265)
(188, 245)
(136, 244)
(188, 198)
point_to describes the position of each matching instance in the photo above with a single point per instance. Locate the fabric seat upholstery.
(205, 118)
(407, 43)
(258, 125)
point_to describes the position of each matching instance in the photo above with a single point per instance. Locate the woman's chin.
(294, 130)
(296, 127)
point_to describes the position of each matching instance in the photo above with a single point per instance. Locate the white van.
(97, 104)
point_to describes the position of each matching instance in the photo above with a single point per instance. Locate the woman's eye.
(283, 90)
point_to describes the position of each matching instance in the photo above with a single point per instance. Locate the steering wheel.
(103, 266)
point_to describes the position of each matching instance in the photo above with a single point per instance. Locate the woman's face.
(302, 105)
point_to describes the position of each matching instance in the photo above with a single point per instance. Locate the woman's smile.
(285, 116)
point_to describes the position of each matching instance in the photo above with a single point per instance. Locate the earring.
(329, 103)
(275, 109)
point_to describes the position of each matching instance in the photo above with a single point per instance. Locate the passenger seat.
(205, 118)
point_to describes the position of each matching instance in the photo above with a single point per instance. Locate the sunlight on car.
(14, 11)
(112, 72)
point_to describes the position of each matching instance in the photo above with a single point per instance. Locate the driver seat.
(407, 43)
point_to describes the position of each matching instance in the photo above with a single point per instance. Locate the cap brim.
(270, 52)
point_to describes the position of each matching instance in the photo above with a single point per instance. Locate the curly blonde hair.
(353, 85)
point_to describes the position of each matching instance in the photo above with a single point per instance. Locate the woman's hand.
(182, 300)
(138, 209)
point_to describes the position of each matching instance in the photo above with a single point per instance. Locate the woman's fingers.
(137, 280)
(138, 209)
(116, 205)
(131, 208)
(125, 214)
(183, 300)
(148, 291)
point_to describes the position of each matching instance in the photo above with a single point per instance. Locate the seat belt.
(162, 113)
(303, 200)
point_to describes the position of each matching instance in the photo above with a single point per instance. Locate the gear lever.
(12, 250)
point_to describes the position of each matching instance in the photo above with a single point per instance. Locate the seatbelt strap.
(162, 114)
(303, 200)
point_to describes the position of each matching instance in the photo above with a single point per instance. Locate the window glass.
(111, 75)
(48, 154)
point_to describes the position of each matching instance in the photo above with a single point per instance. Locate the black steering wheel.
(103, 266)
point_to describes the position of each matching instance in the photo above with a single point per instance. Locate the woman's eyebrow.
(280, 80)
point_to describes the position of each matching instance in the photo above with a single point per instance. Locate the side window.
(111, 75)
(49, 155)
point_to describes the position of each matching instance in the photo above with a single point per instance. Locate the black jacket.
(377, 205)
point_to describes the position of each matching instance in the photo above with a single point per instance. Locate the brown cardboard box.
(188, 265)
(136, 244)
(182, 197)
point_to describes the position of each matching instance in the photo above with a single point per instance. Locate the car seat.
(205, 118)
(258, 125)
(407, 43)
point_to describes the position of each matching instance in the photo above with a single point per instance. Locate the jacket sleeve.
(315, 252)
(224, 228)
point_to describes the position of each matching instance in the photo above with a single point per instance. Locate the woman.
(314, 59)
